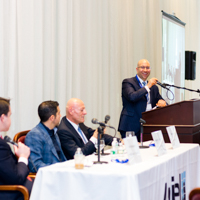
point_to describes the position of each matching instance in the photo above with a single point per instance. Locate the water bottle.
(79, 159)
(120, 150)
(114, 148)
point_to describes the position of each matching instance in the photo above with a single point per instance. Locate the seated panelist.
(12, 171)
(73, 133)
(43, 140)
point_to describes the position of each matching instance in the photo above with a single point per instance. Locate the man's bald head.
(75, 110)
(143, 69)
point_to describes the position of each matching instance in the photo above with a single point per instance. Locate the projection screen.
(173, 56)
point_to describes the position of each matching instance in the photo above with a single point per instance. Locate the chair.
(194, 194)
(20, 137)
(19, 188)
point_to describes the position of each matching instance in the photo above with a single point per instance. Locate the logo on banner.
(176, 188)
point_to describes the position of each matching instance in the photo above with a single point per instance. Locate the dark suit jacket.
(70, 139)
(134, 103)
(12, 172)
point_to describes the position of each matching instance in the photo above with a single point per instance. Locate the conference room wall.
(60, 49)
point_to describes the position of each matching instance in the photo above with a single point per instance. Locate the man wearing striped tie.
(73, 133)
(138, 95)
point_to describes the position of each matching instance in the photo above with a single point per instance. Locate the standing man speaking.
(138, 95)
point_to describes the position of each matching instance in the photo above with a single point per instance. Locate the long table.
(155, 178)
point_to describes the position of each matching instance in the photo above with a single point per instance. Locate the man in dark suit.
(12, 171)
(73, 133)
(138, 96)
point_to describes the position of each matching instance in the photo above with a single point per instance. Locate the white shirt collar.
(141, 81)
(73, 124)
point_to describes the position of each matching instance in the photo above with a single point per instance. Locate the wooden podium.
(184, 115)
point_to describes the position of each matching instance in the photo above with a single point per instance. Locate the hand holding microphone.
(151, 82)
(20, 149)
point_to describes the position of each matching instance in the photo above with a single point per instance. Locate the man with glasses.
(138, 95)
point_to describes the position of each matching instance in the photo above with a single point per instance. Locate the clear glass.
(102, 145)
(130, 133)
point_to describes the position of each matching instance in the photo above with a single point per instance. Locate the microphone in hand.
(8, 139)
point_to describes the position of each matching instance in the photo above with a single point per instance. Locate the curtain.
(59, 49)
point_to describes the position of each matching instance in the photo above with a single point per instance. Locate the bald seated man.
(138, 95)
(73, 133)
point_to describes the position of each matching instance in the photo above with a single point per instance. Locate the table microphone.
(107, 118)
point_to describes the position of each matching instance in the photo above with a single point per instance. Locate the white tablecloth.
(174, 173)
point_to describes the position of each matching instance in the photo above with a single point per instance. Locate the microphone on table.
(103, 124)
(142, 121)
(107, 118)
(162, 85)
(8, 139)
(95, 121)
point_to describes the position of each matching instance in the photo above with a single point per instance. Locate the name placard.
(132, 149)
(159, 142)
(173, 136)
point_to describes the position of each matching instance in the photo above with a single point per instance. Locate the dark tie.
(55, 143)
(79, 130)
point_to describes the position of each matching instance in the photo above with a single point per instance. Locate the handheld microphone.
(8, 139)
(162, 85)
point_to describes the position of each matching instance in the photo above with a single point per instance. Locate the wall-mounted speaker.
(190, 65)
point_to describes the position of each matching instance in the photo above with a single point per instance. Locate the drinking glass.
(102, 144)
(130, 133)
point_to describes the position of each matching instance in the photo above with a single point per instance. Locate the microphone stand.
(165, 84)
(100, 131)
(102, 151)
(141, 134)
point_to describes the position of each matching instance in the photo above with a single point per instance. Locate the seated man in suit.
(138, 96)
(43, 139)
(12, 171)
(73, 133)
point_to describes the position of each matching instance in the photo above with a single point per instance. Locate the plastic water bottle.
(79, 159)
(120, 150)
(114, 148)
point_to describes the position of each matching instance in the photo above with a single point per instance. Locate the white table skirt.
(151, 179)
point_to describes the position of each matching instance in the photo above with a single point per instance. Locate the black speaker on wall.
(190, 65)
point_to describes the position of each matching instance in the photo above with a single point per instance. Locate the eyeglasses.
(147, 68)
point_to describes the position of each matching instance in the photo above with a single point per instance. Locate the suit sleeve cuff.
(148, 90)
(24, 160)
(93, 140)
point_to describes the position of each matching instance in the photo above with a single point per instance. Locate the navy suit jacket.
(71, 140)
(12, 172)
(134, 103)
(43, 152)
